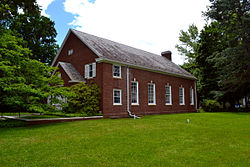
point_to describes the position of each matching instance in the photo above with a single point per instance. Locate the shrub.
(8, 123)
(210, 105)
(85, 99)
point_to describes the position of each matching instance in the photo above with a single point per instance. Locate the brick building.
(155, 84)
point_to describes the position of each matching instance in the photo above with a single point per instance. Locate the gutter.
(128, 110)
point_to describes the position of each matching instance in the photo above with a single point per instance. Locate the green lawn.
(210, 139)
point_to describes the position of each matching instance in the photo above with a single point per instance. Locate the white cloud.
(44, 5)
(151, 25)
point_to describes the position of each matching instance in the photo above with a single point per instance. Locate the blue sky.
(151, 25)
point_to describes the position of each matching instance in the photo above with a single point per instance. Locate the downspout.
(128, 110)
(195, 89)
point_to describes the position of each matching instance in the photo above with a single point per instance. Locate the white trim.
(93, 70)
(195, 89)
(183, 95)
(137, 93)
(86, 71)
(114, 97)
(70, 52)
(154, 94)
(191, 96)
(120, 71)
(170, 95)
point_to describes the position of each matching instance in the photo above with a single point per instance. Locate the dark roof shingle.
(124, 54)
(70, 70)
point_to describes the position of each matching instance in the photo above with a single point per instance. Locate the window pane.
(191, 96)
(181, 95)
(151, 93)
(117, 96)
(134, 93)
(116, 71)
(168, 94)
(90, 70)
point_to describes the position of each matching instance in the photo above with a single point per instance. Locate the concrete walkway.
(50, 120)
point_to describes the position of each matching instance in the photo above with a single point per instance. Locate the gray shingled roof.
(117, 52)
(70, 70)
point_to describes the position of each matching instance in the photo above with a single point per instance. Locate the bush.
(85, 99)
(8, 123)
(210, 105)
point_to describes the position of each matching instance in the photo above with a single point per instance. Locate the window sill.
(117, 104)
(117, 77)
(151, 104)
(135, 104)
(191, 104)
(90, 78)
(168, 104)
(182, 104)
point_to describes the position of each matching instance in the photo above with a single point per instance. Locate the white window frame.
(119, 90)
(70, 52)
(191, 96)
(181, 97)
(137, 93)
(88, 71)
(120, 71)
(149, 98)
(168, 94)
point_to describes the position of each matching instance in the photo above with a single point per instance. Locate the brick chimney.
(167, 54)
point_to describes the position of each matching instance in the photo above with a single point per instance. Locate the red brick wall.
(160, 81)
(143, 78)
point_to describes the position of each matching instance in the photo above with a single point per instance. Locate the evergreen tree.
(233, 62)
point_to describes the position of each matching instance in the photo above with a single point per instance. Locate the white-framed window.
(168, 95)
(70, 52)
(90, 70)
(117, 97)
(191, 96)
(181, 95)
(134, 93)
(117, 71)
(151, 94)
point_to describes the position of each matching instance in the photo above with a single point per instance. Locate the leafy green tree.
(189, 43)
(189, 48)
(233, 62)
(25, 84)
(38, 31)
(85, 99)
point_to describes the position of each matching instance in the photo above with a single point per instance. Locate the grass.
(210, 139)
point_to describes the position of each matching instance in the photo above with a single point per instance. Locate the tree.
(25, 84)
(211, 42)
(38, 31)
(233, 19)
(189, 46)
